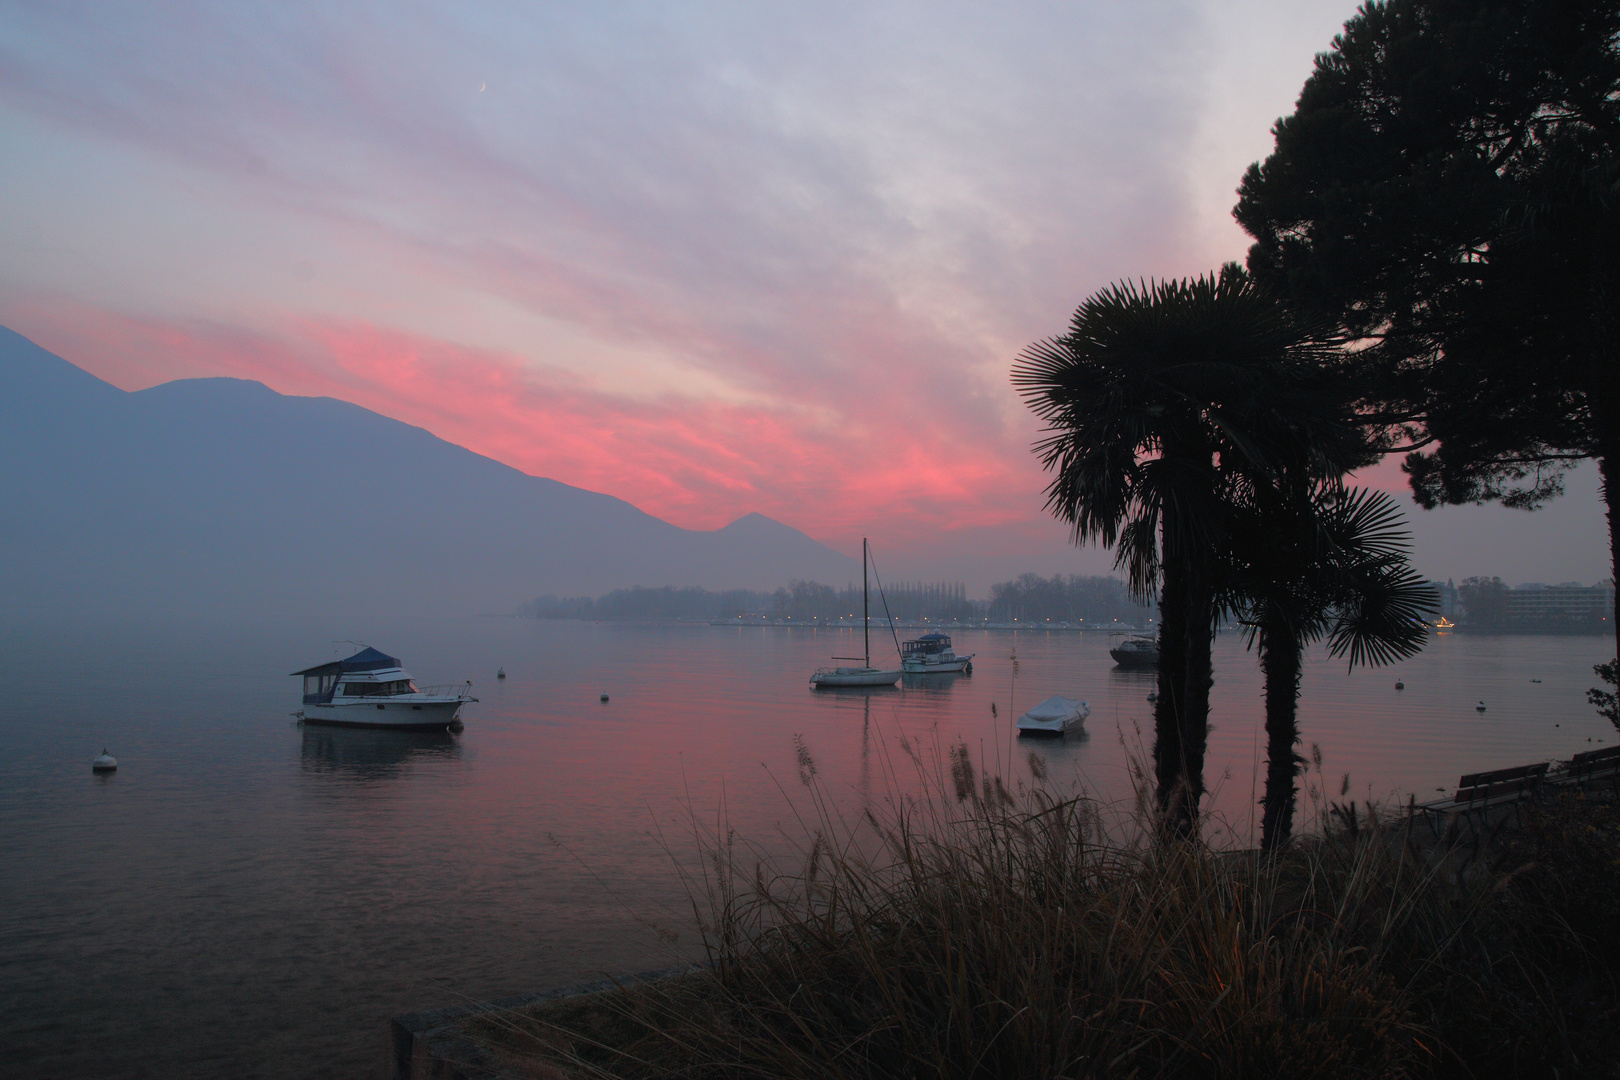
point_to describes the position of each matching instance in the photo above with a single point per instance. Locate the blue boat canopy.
(367, 659)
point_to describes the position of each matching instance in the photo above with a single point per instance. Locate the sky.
(713, 259)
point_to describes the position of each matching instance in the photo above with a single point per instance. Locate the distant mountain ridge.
(220, 494)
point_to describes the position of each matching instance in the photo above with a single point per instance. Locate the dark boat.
(1136, 652)
(931, 654)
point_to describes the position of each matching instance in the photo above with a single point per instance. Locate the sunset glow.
(705, 261)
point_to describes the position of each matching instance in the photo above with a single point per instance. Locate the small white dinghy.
(1054, 716)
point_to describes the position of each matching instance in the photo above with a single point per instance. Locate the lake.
(246, 897)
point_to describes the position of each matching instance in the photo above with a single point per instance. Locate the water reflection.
(1042, 740)
(939, 682)
(373, 754)
(423, 872)
(860, 692)
(1127, 679)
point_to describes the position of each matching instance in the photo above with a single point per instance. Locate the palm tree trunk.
(1181, 714)
(1280, 661)
(1195, 713)
(1168, 764)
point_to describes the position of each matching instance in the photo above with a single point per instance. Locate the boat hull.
(1136, 659)
(1053, 731)
(404, 715)
(940, 667)
(854, 677)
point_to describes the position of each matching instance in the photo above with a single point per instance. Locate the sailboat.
(866, 674)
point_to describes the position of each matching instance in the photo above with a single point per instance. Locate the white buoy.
(500, 673)
(1480, 706)
(105, 763)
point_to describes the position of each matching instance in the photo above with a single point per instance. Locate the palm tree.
(1163, 405)
(1330, 562)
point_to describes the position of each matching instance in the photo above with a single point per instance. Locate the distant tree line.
(1483, 601)
(939, 602)
(641, 602)
(801, 601)
(1027, 598)
(1073, 599)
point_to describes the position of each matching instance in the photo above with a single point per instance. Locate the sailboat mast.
(866, 610)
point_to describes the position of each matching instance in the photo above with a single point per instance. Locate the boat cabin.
(368, 673)
(928, 645)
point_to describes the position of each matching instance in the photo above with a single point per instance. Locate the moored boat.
(866, 674)
(932, 654)
(1054, 716)
(853, 676)
(1136, 652)
(371, 689)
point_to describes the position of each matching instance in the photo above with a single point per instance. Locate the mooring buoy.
(105, 763)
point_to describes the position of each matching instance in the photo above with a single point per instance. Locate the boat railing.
(460, 689)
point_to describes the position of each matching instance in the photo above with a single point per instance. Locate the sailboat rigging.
(866, 674)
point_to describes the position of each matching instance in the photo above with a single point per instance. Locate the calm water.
(249, 898)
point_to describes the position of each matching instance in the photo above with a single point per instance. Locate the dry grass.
(976, 931)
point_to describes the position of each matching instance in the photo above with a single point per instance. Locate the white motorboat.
(932, 654)
(1136, 652)
(866, 674)
(370, 689)
(1054, 716)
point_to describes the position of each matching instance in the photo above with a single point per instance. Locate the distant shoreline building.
(1488, 606)
(1568, 603)
(1447, 591)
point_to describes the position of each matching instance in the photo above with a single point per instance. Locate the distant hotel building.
(1566, 603)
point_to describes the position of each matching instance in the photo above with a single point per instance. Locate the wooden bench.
(1595, 765)
(1478, 792)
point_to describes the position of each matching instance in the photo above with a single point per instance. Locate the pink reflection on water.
(705, 717)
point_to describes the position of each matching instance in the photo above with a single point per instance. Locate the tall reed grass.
(975, 930)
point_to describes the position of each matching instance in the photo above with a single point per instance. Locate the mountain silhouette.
(221, 494)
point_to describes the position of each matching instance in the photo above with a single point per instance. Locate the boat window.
(319, 685)
(375, 689)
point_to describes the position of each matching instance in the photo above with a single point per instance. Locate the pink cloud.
(697, 463)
